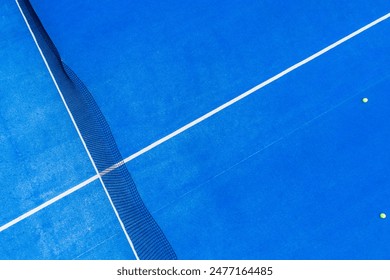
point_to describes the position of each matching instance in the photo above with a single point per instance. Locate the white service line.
(256, 88)
(216, 110)
(77, 129)
(48, 203)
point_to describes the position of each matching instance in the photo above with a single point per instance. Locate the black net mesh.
(147, 237)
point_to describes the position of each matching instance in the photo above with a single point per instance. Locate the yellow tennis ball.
(365, 100)
(382, 215)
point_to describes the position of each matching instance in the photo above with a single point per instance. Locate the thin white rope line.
(77, 129)
(48, 203)
(94, 247)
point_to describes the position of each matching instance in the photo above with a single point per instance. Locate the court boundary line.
(48, 203)
(256, 88)
(77, 129)
(211, 113)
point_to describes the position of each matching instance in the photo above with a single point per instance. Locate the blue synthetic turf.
(155, 66)
(166, 68)
(76, 227)
(41, 157)
(41, 154)
(298, 170)
(316, 194)
(318, 161)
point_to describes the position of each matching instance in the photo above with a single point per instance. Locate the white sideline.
(189, 125)
(77, 129)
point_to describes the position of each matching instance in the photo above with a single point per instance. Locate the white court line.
(245, 94)
(48, 203)
(77, 129)
(254, 89)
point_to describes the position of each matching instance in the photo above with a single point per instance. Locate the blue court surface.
(252, 129)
